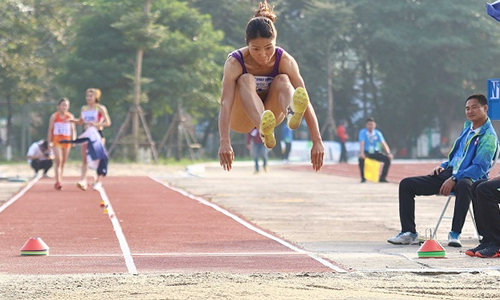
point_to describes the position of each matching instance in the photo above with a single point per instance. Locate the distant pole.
(137, 92)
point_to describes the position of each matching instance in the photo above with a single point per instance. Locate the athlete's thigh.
(280, 84)
(239, 119)
(65, 154)
(57, 153)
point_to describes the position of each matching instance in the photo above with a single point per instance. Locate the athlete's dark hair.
(480, 98)
(62, 100)
(262, 23)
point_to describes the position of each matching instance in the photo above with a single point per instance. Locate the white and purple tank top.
(262, 82)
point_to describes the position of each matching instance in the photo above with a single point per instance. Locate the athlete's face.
(90, 97)
(63, 106)
(262, 50)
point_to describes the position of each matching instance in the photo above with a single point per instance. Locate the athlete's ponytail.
(262, 23)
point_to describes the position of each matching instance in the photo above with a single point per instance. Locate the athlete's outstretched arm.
(231, 74)
(291, 68)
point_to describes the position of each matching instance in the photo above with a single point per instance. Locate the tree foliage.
(409, 63)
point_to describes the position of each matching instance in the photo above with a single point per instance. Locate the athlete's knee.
(246, 80)
(282, 79)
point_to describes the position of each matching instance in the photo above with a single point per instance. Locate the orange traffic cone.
(431, 248)
(35, 246)
(102, 203)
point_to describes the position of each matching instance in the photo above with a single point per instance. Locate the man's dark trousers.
(485, 198)
(379, 157)
(44, 165)
(430, 185)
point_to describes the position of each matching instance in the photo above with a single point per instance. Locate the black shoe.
(382, 180)
(363, 180)
(489, 252)
(472, 252)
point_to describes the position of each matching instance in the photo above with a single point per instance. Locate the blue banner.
(494, 98)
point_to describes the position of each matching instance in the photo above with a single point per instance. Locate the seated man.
(485, 195)
(40, 157)
(370, 142)
(470, 159)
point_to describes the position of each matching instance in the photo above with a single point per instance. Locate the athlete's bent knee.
(282, 79)
(246, 80)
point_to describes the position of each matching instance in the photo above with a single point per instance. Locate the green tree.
(184, 67)
(429, 57)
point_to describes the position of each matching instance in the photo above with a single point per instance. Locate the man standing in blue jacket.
(470, 159)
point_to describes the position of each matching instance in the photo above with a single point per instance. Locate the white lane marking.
(252, 227)
(194, 254)
(129, 261)
(20, 194)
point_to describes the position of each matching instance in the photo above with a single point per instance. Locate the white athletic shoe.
(404, 238)
(97, 186)
(82, 185)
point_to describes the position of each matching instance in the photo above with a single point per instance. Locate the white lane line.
(129, 261)
(252, 227)
(20, 194)
(172, 254)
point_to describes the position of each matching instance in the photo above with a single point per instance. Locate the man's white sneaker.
(454, 239)
(97, 186)
(404, 238)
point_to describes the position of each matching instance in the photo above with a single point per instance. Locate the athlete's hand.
(447, 187)
(226, 156)
(317, 155)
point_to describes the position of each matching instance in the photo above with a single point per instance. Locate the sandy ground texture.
(335, 217)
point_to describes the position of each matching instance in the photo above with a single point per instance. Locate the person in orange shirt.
(60, 128)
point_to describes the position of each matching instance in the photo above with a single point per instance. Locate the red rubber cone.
(431, 248)
(35, 246)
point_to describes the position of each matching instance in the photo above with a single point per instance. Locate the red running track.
(150, 229)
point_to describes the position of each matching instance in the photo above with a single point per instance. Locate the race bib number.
(89, 116)
(61, 128)
(263, 83)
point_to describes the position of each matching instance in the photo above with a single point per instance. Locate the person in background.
(93, 114)
(371, 140)
(287, 138)
(258, 149)
(469, 160)
(343, 137)
(40, 157)
(60, 128)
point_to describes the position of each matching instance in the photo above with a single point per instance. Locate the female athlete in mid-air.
(261, 85)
